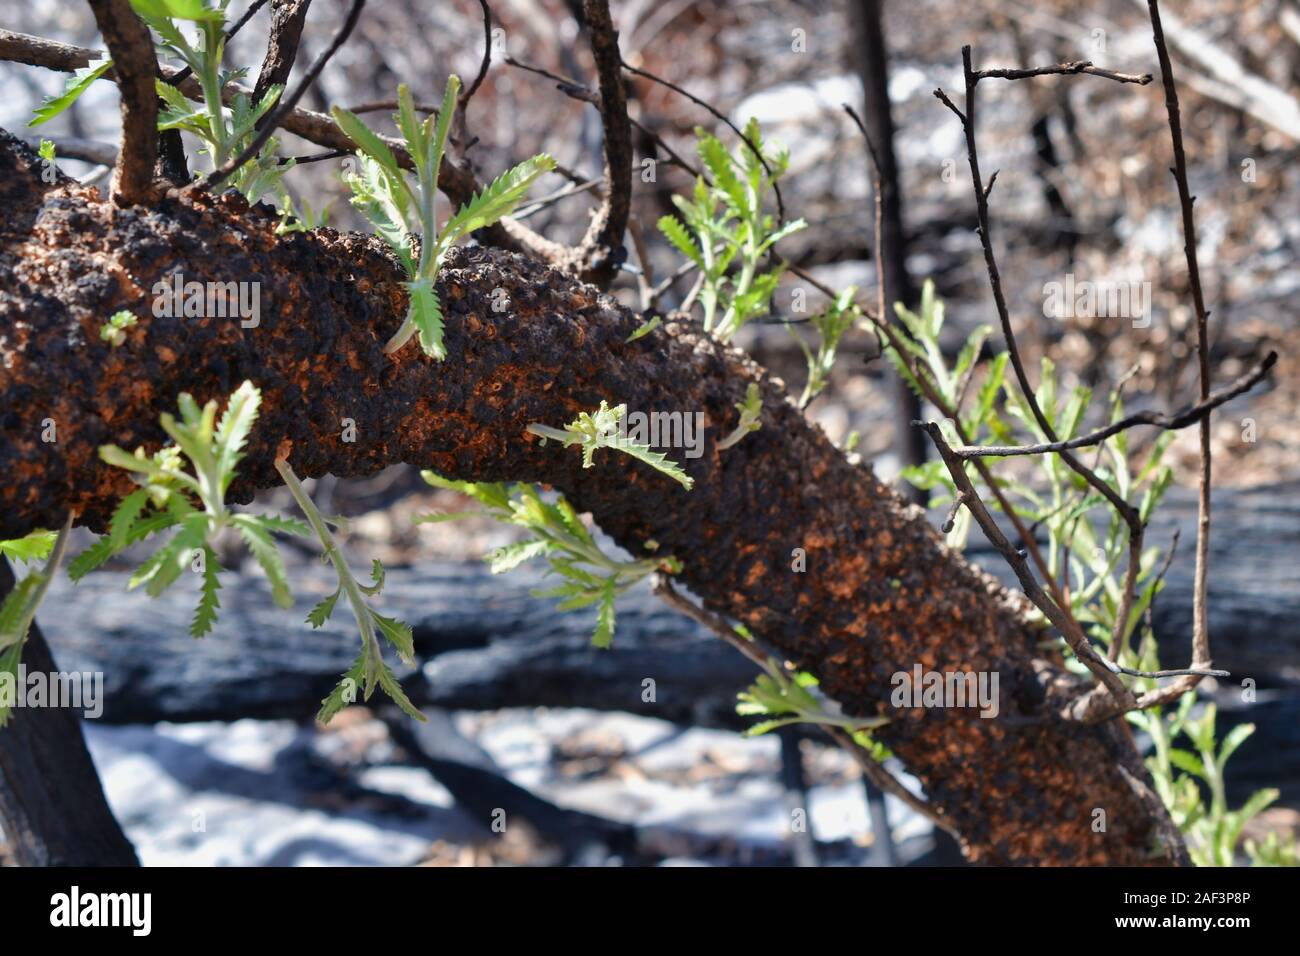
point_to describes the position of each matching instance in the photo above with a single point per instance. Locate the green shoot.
(723, 224)
(20, 605)
(590, 576)
(166, 499)
(75, 85)
(224, 133)
(114, 330)
(402, 213)
(751, 410)
(600, 429)
(1181, 776)
(645, 328)
(831, 324)
(369, 670)
(295, 217)
(786, 698)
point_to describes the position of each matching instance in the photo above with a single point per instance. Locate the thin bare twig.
(576, 91)
(601, 251)
(881, 306)
(315, 157)
(374, 106)
(1189, 415)
(287, 20)
(1073, 67)
(573, 189)
(468, 93)
(1200, 618)
(951, 520)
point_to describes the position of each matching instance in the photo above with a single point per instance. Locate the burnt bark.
(880, 594)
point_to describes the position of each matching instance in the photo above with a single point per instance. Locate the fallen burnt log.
(880, 594)
(483, 642)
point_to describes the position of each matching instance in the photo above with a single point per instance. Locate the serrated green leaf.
(346, 692)
(76, 84)
(394, 690)
(13, 611)
(377, 577)
(383, 198)
(676, 234)
(321, 613)
(205, 614)
(103, 549)
(33, 547)
(278, 524)
(399, 634)
(1187, 761)
(164, 566)
(425, 315)
(604, 635)
(232, 432)
(497, 200)
(263, 548)
(510, 556)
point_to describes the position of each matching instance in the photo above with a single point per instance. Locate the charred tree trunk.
(880, 594)
(52, 806)
(871, 61)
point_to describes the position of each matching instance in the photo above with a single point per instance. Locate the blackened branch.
(135, 65)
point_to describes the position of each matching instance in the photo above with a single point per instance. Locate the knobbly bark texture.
(880, 593)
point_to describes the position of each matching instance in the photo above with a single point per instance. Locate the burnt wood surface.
(881, 593)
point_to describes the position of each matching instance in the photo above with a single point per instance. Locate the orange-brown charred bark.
(527, 344)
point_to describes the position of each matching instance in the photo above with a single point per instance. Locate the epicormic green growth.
(403, 214)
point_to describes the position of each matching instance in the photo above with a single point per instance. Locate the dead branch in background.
(598, 256)
(287, 20)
